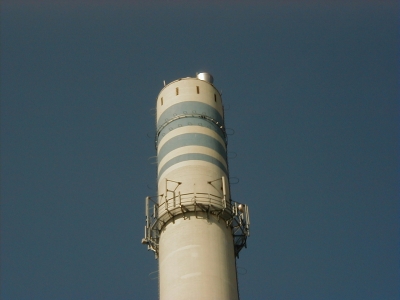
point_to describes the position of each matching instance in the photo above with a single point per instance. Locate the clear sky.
(311, 94)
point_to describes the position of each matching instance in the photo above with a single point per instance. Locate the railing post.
(223, 192)
(147, 212)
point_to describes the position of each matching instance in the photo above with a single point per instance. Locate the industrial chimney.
(192, 225)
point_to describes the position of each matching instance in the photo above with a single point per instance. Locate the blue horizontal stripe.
(191, 121)
(191, 139)
(188, 108)
(192, 156)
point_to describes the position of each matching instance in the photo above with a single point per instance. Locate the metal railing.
(234, 214)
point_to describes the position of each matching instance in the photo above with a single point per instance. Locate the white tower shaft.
(194, 228)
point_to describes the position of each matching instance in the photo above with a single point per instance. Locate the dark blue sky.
(311, 94)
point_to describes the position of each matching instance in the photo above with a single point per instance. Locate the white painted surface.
(191, 129)
(196, 254)
(187, 87)
(197, 260)
(191, 149)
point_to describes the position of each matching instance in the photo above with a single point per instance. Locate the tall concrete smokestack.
(193, 226)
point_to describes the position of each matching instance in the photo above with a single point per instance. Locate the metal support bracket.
(159, 213)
